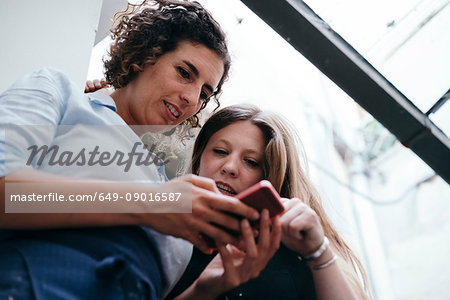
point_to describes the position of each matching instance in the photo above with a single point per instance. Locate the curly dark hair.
(153, 28)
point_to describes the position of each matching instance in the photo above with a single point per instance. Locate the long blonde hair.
(282, 167)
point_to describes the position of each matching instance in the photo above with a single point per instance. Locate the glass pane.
(407, 41)
(442, 118)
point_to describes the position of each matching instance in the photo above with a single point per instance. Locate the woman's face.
(173, 89)
(234, 157)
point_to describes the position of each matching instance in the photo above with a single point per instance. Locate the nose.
(191, 95)
(231, 167)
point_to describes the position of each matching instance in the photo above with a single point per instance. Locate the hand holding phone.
(262, 195)
(259, 196)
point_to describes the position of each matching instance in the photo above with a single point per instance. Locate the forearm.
(194, 292)
(45, 183)
(182, 207)
(330, 282)
(61, 220)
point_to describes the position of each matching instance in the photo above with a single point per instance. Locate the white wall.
(39, 33)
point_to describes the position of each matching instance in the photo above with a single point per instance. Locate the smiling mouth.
(225, 189)
(172, 109)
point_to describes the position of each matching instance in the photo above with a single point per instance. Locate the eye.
(183, 72)
(219, 151)
(203, 96)
(252, 163)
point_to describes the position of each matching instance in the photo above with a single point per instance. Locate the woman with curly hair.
(150, 32)
(168, 59)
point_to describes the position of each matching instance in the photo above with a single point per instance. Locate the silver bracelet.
(326, 264)
(318, 252)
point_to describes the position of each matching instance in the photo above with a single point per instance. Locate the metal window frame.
(338, 60)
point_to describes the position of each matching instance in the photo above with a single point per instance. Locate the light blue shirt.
(48, 98)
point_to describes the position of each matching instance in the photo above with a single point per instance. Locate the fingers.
(97, 84)
(253, 262)
(227, 261)
(201, 182)
(232, 274)
(220, 209)
(217, 215)
(249, 240)
(270, 236)
(190, 228)
(258, 256)
(264, 229)
(240, 266)
(205, 183)
(94, 85)
(219, 234)
(201, 244)
(220, 201)
(235, 206)
(205, 202)
(301, 227)
(205, 207)
(290, 203)
(102, 83)
(276, 232)
(284, 200)
(289, 227)
(194, 229)
(208, 219)
(89, 87)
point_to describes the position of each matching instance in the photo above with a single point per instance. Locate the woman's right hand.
(232, 266)
(209, 207)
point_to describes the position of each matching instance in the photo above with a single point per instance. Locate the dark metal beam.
(332, 55)
(438, 104)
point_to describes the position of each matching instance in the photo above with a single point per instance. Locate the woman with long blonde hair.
(238, 146)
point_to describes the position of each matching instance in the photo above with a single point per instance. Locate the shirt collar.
(102, 99)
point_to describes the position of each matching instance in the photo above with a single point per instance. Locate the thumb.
(201, 182)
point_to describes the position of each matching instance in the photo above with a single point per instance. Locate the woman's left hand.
(302, 231)
(232, 266)
(96, 85)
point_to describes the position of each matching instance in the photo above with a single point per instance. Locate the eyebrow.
(194, 69)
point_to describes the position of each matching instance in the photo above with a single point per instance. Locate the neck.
(121, 98)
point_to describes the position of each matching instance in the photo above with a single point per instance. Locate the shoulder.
(53, 76)
(39, 97)
(48, 73)
(47, 80)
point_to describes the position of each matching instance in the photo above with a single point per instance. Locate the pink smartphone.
(262, 195)
(259, 196)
